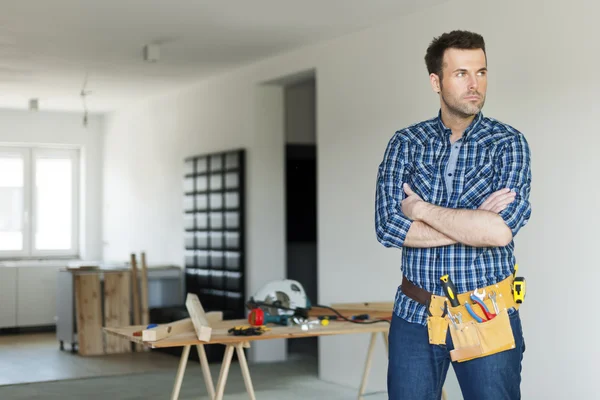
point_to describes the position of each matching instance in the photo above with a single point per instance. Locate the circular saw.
(283, 297)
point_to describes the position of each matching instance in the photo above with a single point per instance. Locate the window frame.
(30, 155)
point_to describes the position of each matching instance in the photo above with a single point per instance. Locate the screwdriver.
(450, 290)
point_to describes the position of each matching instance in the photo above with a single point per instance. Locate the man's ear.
(435, 83)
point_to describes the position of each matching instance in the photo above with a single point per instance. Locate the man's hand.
(410, 205)
(498, 200)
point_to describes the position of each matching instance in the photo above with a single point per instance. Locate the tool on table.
(492, 296)
(450, 290)
(306, 325)
(277, 302)
(359, 317)
(472, 313)
(478, 297)
(283, 297)
(258, 317)
(244, 330)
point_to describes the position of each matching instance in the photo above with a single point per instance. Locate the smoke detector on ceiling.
(151, 53)
(34, 104)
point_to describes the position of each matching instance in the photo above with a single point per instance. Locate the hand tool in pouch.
(470, 310)
(452, 317)
(450, 290)
(478, 297)
(492, 296)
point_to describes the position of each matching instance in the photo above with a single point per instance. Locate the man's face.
(464, 81)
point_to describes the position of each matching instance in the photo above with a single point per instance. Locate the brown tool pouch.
(474, 339)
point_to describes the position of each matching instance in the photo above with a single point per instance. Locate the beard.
(463, 108)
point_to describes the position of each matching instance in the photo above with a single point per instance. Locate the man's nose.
(473, 83)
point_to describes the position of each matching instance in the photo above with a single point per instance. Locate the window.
(39, 202)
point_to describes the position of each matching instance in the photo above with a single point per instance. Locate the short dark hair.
(465, 40)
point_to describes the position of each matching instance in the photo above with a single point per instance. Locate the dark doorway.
(301, 196)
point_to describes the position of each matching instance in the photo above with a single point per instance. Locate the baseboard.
(28, 329)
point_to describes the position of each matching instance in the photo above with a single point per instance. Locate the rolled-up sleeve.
(391, 224)
(515, 173)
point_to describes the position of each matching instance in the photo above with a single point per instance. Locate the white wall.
(143, 168)
(542, 81)
(56, 128)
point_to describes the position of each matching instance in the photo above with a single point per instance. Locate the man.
(452, 192)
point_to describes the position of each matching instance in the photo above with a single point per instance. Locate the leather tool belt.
(475, 333)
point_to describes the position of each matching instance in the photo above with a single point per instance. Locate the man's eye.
(460, 74)
(482, 73)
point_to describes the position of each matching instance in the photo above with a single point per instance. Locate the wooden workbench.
(238, 343)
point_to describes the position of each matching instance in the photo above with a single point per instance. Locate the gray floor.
(37, 358)
(62, 375)
(294, 380)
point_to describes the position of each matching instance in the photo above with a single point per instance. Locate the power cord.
(304, 312)
(348, 319)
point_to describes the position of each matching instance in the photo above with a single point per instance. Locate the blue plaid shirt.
(492, 156)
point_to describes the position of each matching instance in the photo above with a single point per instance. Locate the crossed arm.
(403, 219)
(435, 226)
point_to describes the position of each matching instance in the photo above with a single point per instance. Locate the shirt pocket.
(421, 179)
(478, 184)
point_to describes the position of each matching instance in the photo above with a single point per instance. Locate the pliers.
(478, 297)
(470, 310)
(444, 310)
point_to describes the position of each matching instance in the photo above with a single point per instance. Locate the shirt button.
(450, 174)
(456, 147)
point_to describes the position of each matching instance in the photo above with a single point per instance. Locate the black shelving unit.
(214, 222)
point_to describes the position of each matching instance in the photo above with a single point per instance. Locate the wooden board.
(145, 317)
(117, 306)
(220, 334)
(89, 314)
(136, 294)
(167, 330)
(174, 328)
(198, 317)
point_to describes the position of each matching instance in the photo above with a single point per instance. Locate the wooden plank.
(144, 292)
(220, 334)
(214, 317)
(198, 316)
(166, 330)
(174, 328)
(117, 306)
(136, 295)
(89, 314)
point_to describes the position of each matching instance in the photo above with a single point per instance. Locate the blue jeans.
(417, 370)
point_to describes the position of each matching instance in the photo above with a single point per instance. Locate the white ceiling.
(47, 47)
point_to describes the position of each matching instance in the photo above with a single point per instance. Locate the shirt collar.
(446, 132)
